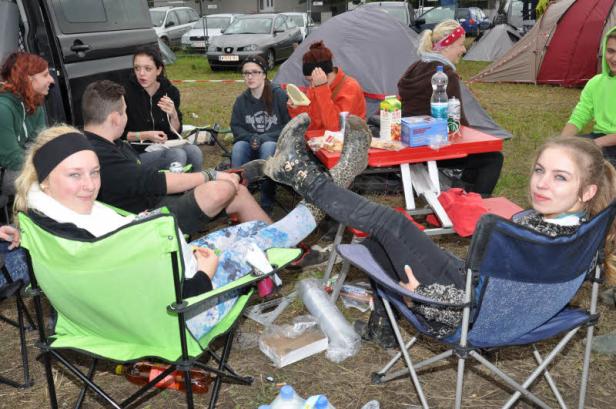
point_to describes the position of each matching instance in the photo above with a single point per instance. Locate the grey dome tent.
(375, 49)
(493, 43)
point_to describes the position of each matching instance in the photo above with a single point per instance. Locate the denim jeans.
(242, 153)
(609, 152)
(184, 154)
(15, 261)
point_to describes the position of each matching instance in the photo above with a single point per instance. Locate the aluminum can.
(453, 109)
(176, 167)
(343, 117)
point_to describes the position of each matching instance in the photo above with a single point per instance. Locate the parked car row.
(272, 36)
(472, 19)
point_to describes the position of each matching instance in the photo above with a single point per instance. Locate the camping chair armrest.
(360, 257)
(279, 258)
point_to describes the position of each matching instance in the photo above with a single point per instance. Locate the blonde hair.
(430, 37)
(594, 170)
(28, 175)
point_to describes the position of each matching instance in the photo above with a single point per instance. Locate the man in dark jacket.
(194, 198)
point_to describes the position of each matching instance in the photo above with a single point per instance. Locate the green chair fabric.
(115, 295)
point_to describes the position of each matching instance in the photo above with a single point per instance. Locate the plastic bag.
(344, 342)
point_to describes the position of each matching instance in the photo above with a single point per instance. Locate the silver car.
(272, 36)
(170, 23)
(206, 28)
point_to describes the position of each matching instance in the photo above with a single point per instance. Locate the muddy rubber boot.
(354, 157)
(252, 171)
(291, 164)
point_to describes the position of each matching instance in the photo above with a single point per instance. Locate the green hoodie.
(16, 129)
(598, 100)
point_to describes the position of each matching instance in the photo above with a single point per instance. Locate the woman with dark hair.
(331, 91)
(26, 83)
(258, 116)
(153, 109)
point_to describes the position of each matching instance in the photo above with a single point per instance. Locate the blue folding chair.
(518, 286)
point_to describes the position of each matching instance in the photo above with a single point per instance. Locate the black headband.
(327, 67)
(55, 151)
(258, 61)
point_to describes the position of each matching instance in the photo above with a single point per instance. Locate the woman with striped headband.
(445, 46)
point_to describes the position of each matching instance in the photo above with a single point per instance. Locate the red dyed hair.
(317, 53)
(16, 71)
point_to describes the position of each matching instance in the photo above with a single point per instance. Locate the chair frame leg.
(27, 382)
(405, 353)
(594, 296)
(333, 254)
(223, 359)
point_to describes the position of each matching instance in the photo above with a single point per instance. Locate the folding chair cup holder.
(128, 306)
(518, 286)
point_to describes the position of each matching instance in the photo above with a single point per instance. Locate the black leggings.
(394, 241)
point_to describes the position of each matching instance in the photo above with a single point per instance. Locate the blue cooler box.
(419, 130)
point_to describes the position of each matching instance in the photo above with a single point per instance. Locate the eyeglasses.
(251, 73)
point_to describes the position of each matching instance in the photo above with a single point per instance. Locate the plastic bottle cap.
(321, 403)
(265, 407)
(439, 68)
(287, 392)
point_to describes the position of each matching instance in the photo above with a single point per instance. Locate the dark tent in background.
(563, 48)
(369, 45)
(375, 49)
(493, 43)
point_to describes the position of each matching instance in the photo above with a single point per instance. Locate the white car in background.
(207, 27)
(303, 21)
(170, 23)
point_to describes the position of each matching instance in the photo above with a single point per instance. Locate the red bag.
(464, 209)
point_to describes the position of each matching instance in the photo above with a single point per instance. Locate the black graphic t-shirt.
(250, 117)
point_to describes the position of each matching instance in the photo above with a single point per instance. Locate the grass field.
(531, 113)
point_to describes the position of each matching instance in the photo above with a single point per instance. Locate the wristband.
(209, 174)
(138, 137)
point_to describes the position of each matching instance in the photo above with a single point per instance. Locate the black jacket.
(415, 88)
(124, 182)
(142, 110)
(250, 117)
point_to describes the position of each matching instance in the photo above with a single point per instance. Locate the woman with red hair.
(26, 83)
(331, 91)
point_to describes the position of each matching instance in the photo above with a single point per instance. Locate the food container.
(421, 130)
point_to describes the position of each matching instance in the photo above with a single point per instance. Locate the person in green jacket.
(22, 94)
(598, 102)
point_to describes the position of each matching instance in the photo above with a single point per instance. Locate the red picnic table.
(424, 179)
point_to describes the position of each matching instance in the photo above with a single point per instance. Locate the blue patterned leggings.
(231, 244)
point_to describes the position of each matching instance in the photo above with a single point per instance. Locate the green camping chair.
(118, 297)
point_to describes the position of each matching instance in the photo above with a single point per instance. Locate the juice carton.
(391, 110)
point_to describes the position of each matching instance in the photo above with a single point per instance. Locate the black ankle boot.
(354, 155)
(378, 329)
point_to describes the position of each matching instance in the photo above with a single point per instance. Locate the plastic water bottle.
(287, 399)
(318, 402)
(439, 101)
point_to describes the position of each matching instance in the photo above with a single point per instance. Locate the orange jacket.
(326, 103)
